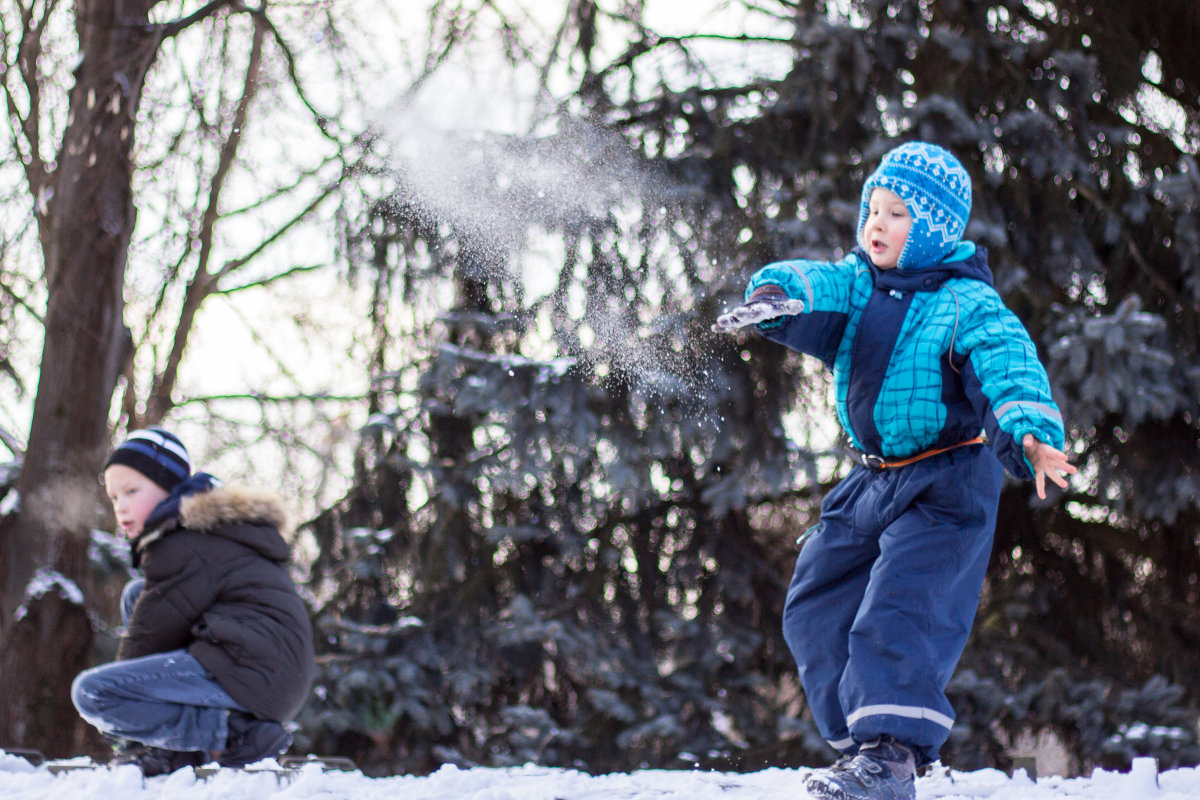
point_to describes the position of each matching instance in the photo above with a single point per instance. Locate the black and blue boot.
(882, 770)
(251, 739)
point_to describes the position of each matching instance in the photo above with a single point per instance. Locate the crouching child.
(217, 654)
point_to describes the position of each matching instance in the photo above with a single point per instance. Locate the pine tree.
(574, 519)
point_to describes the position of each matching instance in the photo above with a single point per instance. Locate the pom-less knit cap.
(937, 192)
(156, 453)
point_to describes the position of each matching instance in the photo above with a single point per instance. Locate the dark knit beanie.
(937, 192)
(157, 454)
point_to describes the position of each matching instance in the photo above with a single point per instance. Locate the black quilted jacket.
(217, 584)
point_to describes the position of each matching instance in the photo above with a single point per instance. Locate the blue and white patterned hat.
(156, 453)
(937, 192)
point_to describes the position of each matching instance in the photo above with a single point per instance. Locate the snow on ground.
(20, 781)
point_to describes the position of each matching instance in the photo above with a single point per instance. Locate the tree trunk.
(89, 222)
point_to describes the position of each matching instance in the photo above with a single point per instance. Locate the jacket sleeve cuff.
(767, 291)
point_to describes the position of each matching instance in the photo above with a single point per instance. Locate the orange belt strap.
(879, 463)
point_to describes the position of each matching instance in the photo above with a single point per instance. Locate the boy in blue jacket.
(938, 386)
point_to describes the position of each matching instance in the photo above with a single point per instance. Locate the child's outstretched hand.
(1046, 460)
(757, 311)
(767, 302)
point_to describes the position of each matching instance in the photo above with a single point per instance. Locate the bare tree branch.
(12, 443)
(260, 14)
(203, 283)
(29, 51)
(20, 300)
(272, 279)
(235, 264)
(173, 28)
(283, 399)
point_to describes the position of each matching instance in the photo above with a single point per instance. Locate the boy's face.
(133, 497)
(886, 229)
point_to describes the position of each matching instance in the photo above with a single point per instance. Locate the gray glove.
(756, 311)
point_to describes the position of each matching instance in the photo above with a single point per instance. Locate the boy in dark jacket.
(218, 649)
(938, 386)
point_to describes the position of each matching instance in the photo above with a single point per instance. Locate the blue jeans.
(166, 700)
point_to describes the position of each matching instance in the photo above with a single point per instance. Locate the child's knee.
(87, 694)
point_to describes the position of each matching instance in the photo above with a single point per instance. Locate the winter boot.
(251, 739)
(883, 770)
(155, 760)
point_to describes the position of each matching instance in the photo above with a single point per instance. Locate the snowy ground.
(20, 781)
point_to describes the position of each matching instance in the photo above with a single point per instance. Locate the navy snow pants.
(884, 595)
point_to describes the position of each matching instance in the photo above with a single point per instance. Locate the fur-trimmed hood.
(254, 518)
(232, 504)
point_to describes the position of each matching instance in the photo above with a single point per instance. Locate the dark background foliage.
(592, 571)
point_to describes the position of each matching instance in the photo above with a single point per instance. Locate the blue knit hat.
(937, 192)
(156, 453)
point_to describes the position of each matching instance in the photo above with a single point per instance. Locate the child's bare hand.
(1046, 461)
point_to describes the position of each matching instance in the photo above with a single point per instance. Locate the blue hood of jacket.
(966, 261)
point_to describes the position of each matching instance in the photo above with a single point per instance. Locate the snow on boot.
(154, 761)
(883, 770)
(251, 739)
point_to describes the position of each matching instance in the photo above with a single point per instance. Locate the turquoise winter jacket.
(922, 358)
